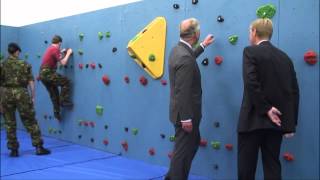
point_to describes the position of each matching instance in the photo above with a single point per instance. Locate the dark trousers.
(52, 81)
(249, 143)
(185, 148)
(18, 99)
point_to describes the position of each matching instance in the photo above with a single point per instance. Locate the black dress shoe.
(42, 151)
(14, 153)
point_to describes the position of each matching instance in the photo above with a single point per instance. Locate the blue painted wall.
(296, 30)
(8, 34)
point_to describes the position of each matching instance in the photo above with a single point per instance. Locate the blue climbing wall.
(8, 34)
(296, 30)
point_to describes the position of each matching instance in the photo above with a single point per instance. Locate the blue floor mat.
(25, 142)
(28, 161)
(70, 161)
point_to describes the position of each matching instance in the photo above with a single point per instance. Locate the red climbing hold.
(92, 124)
(203, 143)
(126, 79)
(310, 57)
(93, 65)
(287, 156)
(163, 82)
(105, 142)
(105, 79)
(152, 151)
(229, 147)
(125, 145)
(143, 80)
(218, 60)
(80, 66)
(86, 123)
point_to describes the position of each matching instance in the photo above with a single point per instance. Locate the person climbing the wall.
(270, 103)
(52, 80)
(16, 77)
(185, 98)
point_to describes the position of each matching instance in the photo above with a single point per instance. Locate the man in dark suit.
(185, 98)
(270, 103)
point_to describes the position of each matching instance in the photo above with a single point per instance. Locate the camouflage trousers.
(52, 81)
(18, 98)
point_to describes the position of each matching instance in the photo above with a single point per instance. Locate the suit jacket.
(185, 84)
(269, 80)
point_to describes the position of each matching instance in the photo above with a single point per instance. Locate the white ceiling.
(24, 12)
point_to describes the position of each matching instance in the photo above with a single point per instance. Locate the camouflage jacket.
(15, 73)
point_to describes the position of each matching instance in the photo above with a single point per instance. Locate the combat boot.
(57, 115)
(40, 150)
(14, 153)
(66, 104)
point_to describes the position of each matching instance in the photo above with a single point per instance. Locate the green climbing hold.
(215, 144)
(233, 39)
(172, 138)
(81, 36)
(100, 35)
(108, 34)
(99, 110)
(80, 51)
(26, 56)
(134, 131)
(266, 11)
(152, 57)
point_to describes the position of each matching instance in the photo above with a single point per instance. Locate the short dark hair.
(13, 47)
(56, 39)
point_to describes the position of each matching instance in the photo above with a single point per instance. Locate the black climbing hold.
(194, 1)
(205, 62)
(60, 132)
(100, 65)
(46, 42)
(114, 49)
(220, 18)
(66, 66)
(176, 6)
(216, 167)
(79, 136)
(71, 66)
(163, 136)
(87, 65)
(216, 124)
(126, 129)
(106, 126)
(50, 117)
(92, 140)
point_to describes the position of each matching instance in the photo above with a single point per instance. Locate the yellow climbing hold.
(151, 40)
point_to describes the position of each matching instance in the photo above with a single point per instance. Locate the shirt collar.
(186, 43)
(12, 57)
(262, 41)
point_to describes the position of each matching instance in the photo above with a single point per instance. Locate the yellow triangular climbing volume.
(147, 48)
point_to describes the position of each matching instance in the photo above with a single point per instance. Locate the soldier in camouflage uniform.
(15, 78)
(52, 80)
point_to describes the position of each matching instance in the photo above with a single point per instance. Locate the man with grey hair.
(185, 97)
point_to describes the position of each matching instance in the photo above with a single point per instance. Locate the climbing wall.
(119, 108)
